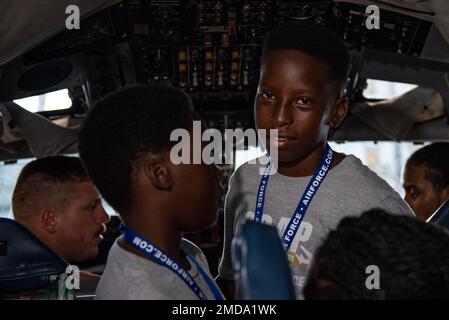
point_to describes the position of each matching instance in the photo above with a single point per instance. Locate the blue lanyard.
(301, 209)
(154, 253)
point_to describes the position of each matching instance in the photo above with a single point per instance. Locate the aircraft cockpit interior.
(58, 58)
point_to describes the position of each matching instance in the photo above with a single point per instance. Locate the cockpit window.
(379, 89)
(57, 100)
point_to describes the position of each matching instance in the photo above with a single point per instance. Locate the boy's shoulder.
(349, 165)
(121, 258)
(128, 276)
(350, 183)
(362, 184)
(350, 173)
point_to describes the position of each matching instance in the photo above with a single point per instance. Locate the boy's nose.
(282, 114)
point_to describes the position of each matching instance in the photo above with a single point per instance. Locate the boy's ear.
(157, 173)
(48, 220)
(340, 112)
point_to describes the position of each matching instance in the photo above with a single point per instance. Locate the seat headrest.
(25, 262)
(441, 215)
(261, 267)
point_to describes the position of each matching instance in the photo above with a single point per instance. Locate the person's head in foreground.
(125, 147)
(426, 179)
(303, 72)
(56, 200)
(381, 256)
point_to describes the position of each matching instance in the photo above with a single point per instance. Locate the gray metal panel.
(36, 21)
(435, 47)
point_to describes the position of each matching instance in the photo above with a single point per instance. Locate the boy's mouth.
(282, 141)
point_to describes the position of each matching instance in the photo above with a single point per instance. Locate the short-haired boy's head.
(302, 74)
(434, 156)
(426, 179)
(123, 127)
(399, 256)
(315, 41)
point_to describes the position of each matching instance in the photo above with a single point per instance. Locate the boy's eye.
(304, 101)
(266, 95)
(413, 193)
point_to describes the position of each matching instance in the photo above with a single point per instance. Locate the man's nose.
(103, 216)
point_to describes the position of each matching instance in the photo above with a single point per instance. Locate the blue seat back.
(261, 267)
(25, 262)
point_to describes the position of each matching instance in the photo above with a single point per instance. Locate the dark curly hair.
(412, 257)
(123, 127)
(315, 41)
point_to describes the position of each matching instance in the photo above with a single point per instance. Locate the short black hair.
(123, 127)
(412, 257)
(315, 41)
(434, 156)
(40, 178)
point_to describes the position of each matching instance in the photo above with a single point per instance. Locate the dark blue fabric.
(262, 270)
(25, 262)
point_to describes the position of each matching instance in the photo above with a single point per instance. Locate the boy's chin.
(285, 157)
(202, 224)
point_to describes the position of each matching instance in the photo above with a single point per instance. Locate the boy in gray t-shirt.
(125, 147)
(348, 190)
(303, 73)
(130, 277)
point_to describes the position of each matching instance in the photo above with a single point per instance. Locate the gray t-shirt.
(349, 189)
(131, 277)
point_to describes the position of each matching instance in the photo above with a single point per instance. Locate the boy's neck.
(162, 235)
(306, 166)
